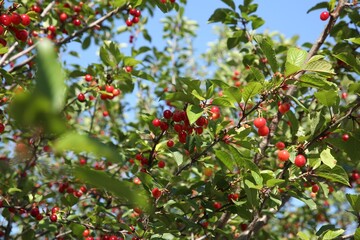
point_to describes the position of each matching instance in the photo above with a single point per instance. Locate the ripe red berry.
(135, 20)
(280, 145)
(263, 131)
(137, 13)
(3, 42)
(156, 193)
(233, 196)
(39, 217)
(76, 22)
(167, 114)
(355, 175)
(81, 97)
(2, 128)
(5, 20)
(156, 122)
(109, 88)
(345, 137)
(284, 108)
(344, 95)
(217, 205)
(86, 233)
(161, 164)
(283, 155)
(105, 113)
(88, 78)
(21, 35)
(15, 19)
(128, 22)
(63, 17)
(36, 8)
(201, 121)
(170, 143)
(2, 30)
(324, 15)
(52, 28)
(300, 160)
(116, 92)
(34, 212)
(132, 11)
(25, 19)
(55, 210)
(315, 188)
(259, 122)
(53, 218)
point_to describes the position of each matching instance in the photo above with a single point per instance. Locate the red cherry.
(137, 13)
(16, 19)
(36, 8)
(215, 109)
(3, 42)
(63, 17)
(300, 160)
(128, 69)
(263, 131)
(167, 114)
(21, 35)
(315, 188)
(284, 108)
(259, 122)
(355, 175)
(132, 11)
(135, 20)
(182, 137)
(77, 8)
(5, 20)
(39, 217)
(86, 233)
(280, 145)
(88, 78)
(283, 155)
(243, 226)
(217, 205)
(105, 113)
(201, 121)
(52, 28)
(324, 15)
(34, 212)
(156, 193)
(156, 122)
(76, 22)
(233, 196)
(164, 126)
(25, 19)
(161, 164)
(2, 30)
(109, 88)
(53, 218)
(116, 92)
(55, 210)
(344, 95)
(170, 143)
(128, 22)
(81, 97)
(2, 128)
(345, 137)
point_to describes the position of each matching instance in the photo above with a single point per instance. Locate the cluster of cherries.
(165, 1)
(110, 91)
(135, 13)
(14, 23)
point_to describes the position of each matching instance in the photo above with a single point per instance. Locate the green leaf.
(354, 40)
(332, 234)
(77, 229)
(86, 43)
(266, 46)
(327, 158)
(336, 174)
(259, 76)
(225, 158)
(256, 22)
(118, 3)
(327, 98)
(220, 15)
(224, 101)
(5, 74)
(354, 200)
(321, 5)
(357, 234)
(230, 3)
(350, 60)
(274, 182)
(178, 157)
(129, 61)
(194, 112)
(197, 95)
(294, 60)
(234, 92)
(305, 199)
(320, 66)
(3, 50)
(50, 76)
(128, 192)
(303, 236)
(14, 190)
(83, 143)
(251, 90)
(316, 81)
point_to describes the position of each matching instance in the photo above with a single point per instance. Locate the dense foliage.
(258, 139)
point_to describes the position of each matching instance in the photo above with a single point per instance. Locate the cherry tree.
(258, 139)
